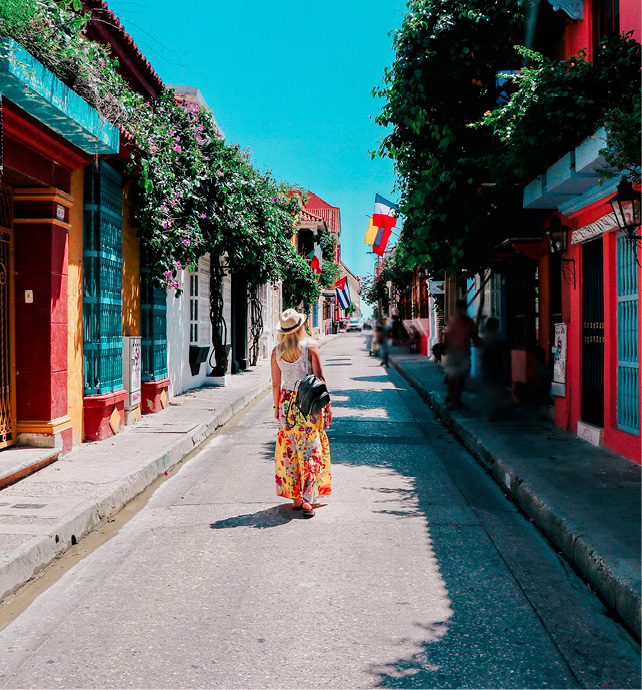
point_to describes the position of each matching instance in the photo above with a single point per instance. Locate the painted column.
(41, 221)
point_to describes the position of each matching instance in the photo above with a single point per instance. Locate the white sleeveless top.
(293, 372)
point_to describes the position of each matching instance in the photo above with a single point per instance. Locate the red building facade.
(589, 295)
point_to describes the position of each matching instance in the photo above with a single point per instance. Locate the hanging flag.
(316, 256)
(385, 213)
(371, 232)
(381, 241)
(343, 294)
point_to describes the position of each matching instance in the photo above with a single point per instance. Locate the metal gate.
(628, 366)
(7, 351)
(593, 333)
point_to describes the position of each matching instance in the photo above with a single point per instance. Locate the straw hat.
(290, 320)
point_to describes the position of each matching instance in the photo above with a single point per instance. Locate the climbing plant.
(563, 102)
(196, 193)
(330, 270)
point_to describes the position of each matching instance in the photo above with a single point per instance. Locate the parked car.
(354, 325)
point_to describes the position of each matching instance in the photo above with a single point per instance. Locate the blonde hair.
(290, 345)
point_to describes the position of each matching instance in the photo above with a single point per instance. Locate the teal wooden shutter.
(102, 280)
(153, 310)
(628, 368)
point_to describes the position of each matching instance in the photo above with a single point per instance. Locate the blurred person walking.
(460, 332)
(383, 340)
(302, 448)
(492, 366)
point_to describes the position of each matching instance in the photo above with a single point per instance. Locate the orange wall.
(131, 270)
(75, 387)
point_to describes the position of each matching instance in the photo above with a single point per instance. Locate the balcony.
(572, 182)
(32, 87)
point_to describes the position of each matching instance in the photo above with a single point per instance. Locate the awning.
(529, 246)
(31, 86)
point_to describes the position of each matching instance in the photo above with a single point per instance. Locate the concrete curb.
(619, 593)
(22, 564)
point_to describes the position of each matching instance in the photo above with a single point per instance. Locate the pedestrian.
(414, 340)
(398, 332)
(492, 367)
(383, 339)
(302, 447)
(460, 332)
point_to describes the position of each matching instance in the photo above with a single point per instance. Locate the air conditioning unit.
(132, 369)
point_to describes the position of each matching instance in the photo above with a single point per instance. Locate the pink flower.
(164, 223)
(168, 274)
(178, 265)
(220, 173)
(203, 215)
(178, 148)
(187, 242)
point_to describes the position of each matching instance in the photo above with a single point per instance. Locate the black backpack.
(311, 395)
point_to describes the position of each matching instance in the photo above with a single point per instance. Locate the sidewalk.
(586, 499)
(43, 514)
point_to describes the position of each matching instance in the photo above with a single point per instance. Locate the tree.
(443, 79)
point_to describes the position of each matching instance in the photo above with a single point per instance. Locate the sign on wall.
(559, 351)
(436, 287)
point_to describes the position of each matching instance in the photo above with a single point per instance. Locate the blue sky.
(291, 81)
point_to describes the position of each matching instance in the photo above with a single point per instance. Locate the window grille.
(102, 280)
(628, 368)
(193, 308)
(153, 311)
(204, 321)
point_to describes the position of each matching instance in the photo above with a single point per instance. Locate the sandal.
(308, 512)
(297, 507)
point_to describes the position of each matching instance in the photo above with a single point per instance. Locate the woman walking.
(302, 448)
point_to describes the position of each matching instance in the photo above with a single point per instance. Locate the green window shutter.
(153, 310)
(628, 369)
(102, 280)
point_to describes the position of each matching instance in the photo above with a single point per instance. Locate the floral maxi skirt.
(302, 453)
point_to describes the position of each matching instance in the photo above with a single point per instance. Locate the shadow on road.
(490, 637)
(271, 517)
(372, 379)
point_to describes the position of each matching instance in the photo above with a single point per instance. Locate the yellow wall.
(131, 270)
(74, 316)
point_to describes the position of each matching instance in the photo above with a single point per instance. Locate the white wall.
(178, 331)
(227, 314)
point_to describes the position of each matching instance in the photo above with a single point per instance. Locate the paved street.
(418, 573)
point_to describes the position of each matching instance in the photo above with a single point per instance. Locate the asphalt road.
(417, 573)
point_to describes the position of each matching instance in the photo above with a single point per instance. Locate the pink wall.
(631, 17)
(568, 410)
(579, 33)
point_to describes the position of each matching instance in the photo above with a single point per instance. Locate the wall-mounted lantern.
(557, 236)
(626, 207)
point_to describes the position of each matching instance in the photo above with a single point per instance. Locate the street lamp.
(626, 207)
(557, 236)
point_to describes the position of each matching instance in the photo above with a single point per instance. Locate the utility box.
(132, 370)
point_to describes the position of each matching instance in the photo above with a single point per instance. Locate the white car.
(354, 325)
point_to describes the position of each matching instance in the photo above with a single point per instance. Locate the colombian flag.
(371, 233)
(381, 241)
